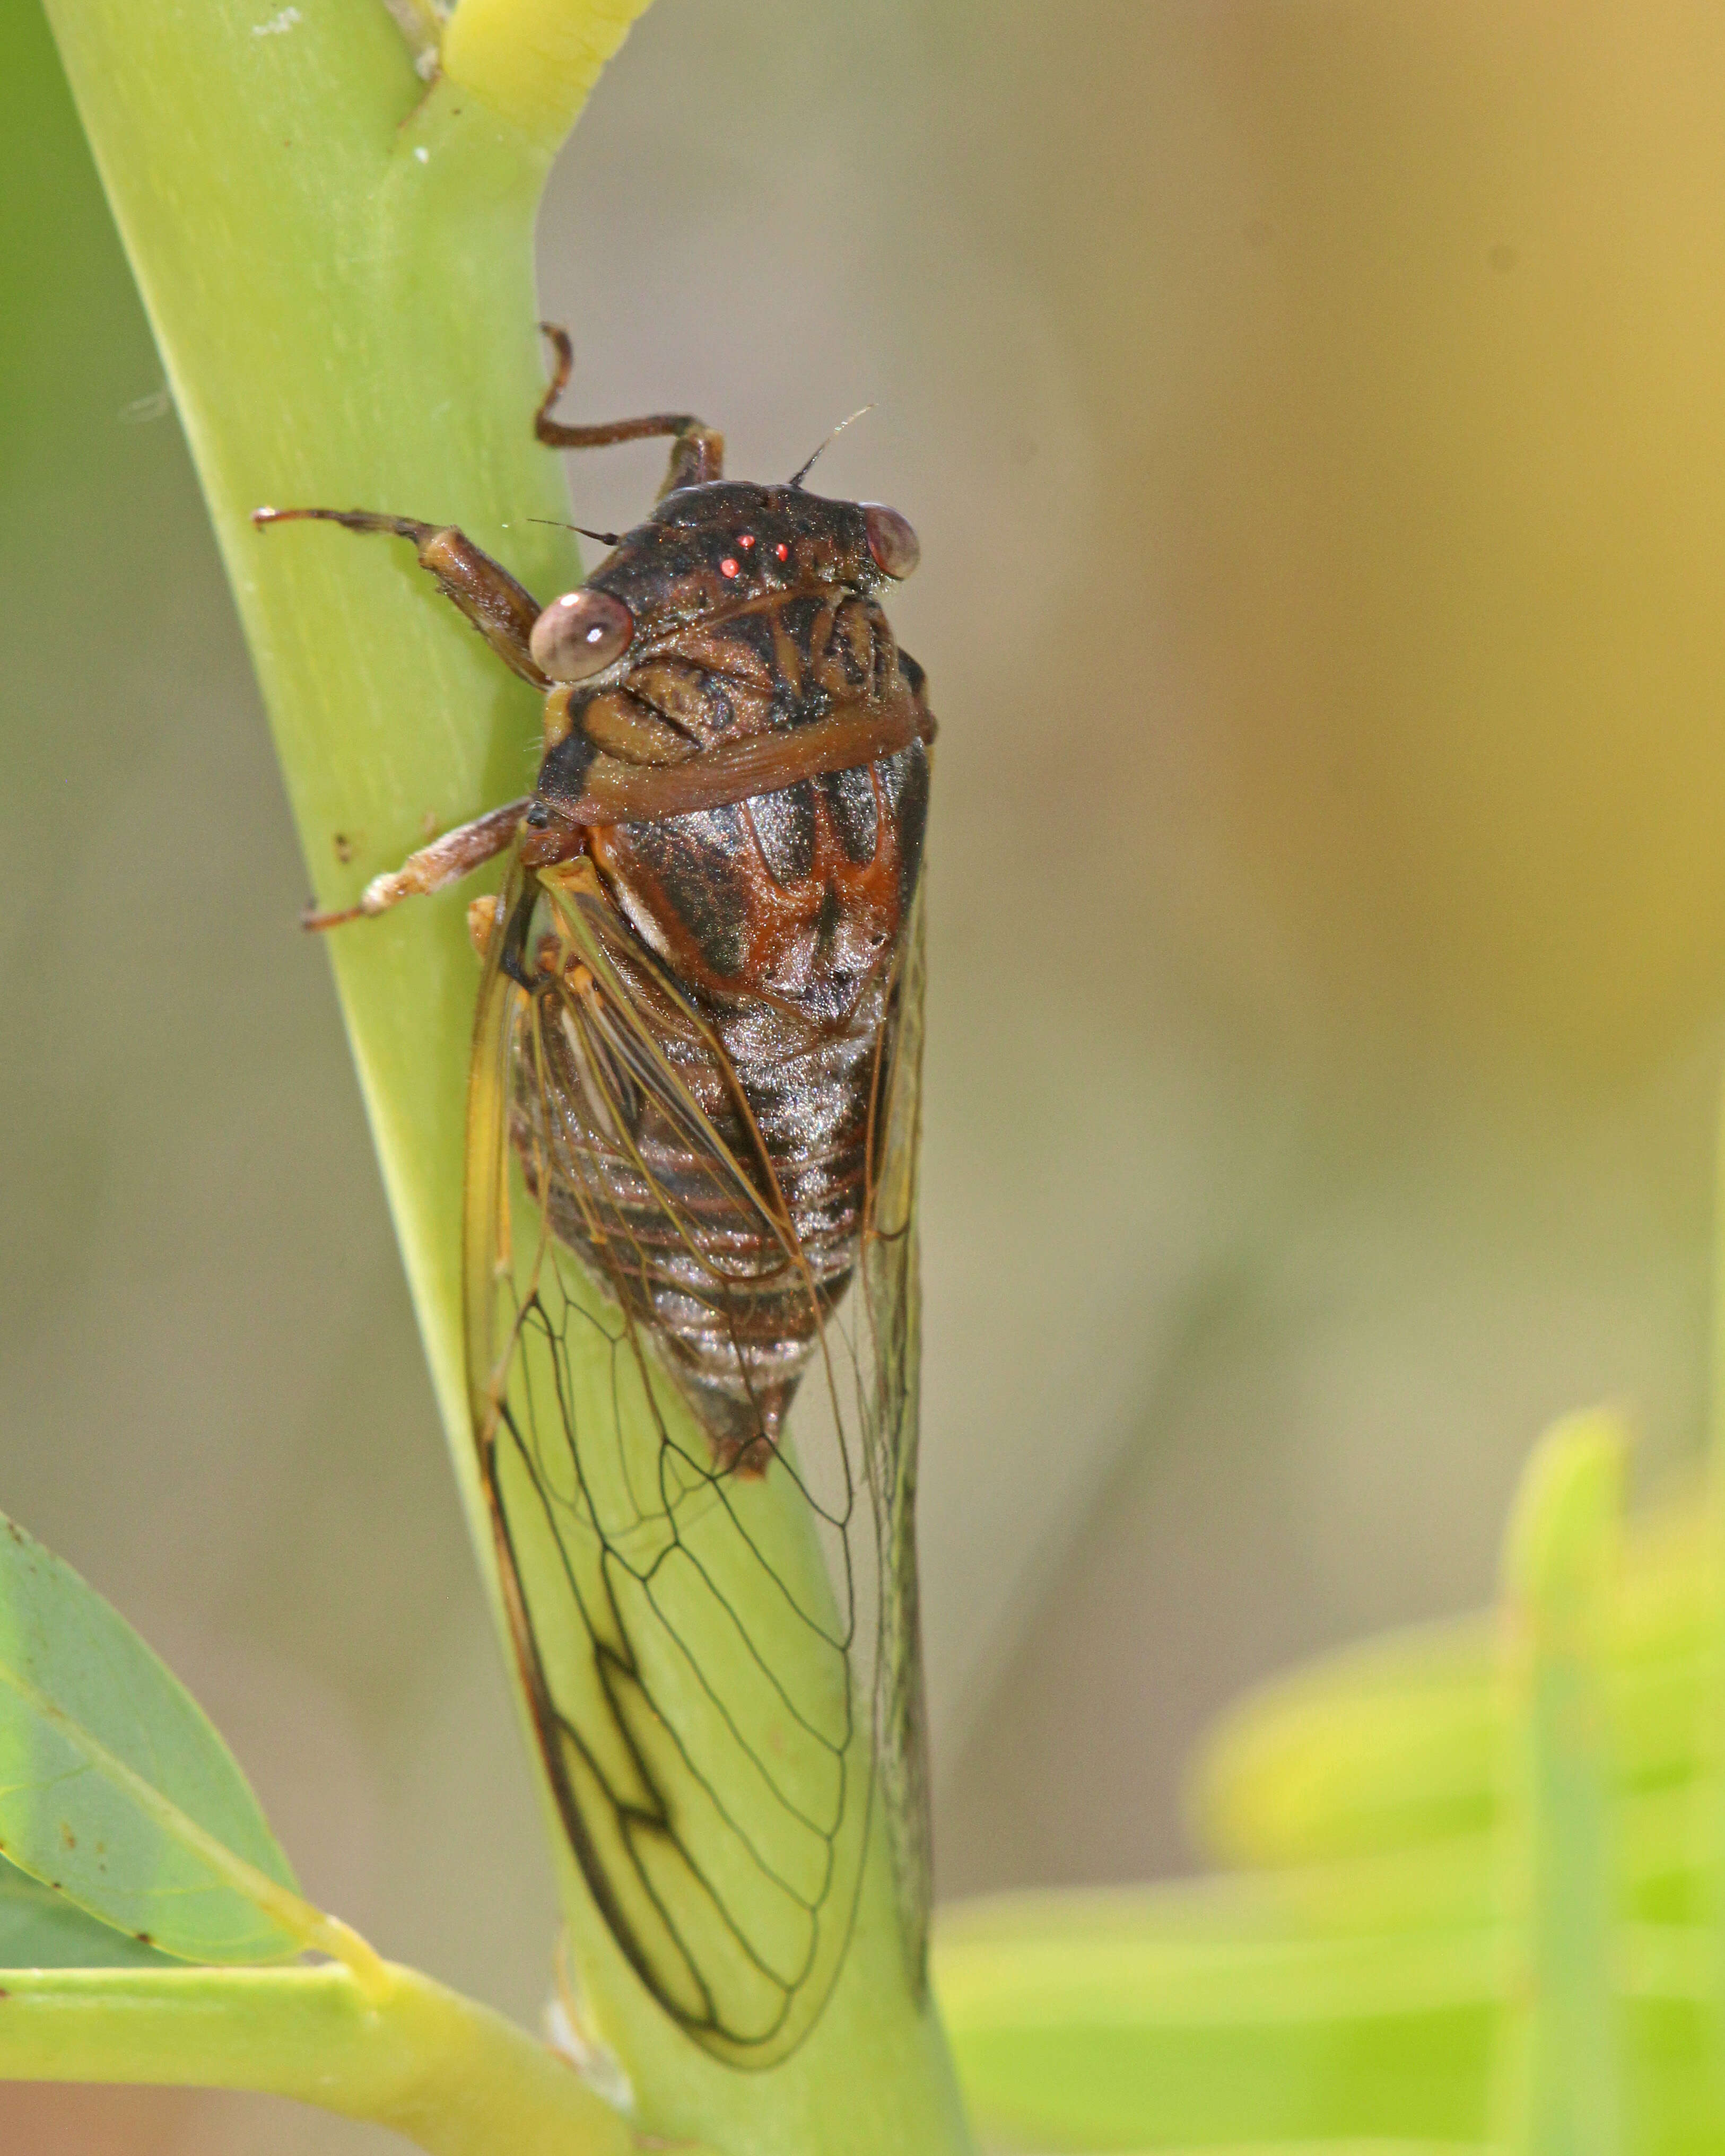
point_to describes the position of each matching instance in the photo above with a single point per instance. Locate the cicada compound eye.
(581, 634)
(892, 541)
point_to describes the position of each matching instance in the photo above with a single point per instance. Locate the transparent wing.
(892, 1288)
(713, 1608)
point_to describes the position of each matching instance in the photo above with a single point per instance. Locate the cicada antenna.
(802, 471)
(557, 524)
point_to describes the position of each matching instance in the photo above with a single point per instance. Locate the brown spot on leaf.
(344, 848)
(67, 1835)
(144, 1938)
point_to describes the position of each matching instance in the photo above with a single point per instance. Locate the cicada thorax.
(780, 921)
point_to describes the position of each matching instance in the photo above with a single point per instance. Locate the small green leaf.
(1559, 2078)
(1398, 1740)
(115, 1791)
(40, 1929)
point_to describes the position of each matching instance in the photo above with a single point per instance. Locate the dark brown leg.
(697, 450)
(444, 861)
(501, 610)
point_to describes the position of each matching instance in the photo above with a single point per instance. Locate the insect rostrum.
(690, 1207)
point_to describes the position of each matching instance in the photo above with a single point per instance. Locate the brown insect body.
(691, 1174)
(780, 917)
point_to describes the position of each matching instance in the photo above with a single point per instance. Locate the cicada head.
(708, 551)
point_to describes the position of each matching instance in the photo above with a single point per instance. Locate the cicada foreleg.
(697, 449)
(444, 861)
(502, 610)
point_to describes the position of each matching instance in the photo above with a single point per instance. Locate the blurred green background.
(1311, 415)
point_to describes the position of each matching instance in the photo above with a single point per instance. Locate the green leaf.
(1559, 2075)
(1099, 2022)
(40, 1930)
(115, 1791)
(1150, 2020)
(1398, 1740)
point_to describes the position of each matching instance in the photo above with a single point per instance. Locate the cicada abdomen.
(691, 1264)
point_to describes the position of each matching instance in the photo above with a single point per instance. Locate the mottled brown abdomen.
(781, 919)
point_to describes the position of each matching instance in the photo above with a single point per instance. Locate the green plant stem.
(337, 264)
(1561, 2092)
(453, 2078)
(344, 319)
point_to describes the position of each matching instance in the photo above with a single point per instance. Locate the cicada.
(689, 1240)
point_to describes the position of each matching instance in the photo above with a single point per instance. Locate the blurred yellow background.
(1311, 416)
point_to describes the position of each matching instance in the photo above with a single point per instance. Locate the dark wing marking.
(714, 1620)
